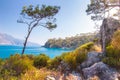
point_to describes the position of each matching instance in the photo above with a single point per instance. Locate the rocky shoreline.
(91, 69)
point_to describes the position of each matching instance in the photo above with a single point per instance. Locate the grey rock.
(92, 57)
(102, 71)
(64, 68)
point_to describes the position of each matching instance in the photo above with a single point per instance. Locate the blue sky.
(71, 19)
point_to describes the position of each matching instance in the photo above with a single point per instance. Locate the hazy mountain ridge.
(6, 39)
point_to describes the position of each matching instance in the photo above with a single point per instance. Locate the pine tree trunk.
(25, 43)
(29, 32)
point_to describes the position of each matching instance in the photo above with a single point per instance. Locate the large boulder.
(101, 71)
(108, 27)
(92, 57)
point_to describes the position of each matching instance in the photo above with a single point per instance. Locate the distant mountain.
(6, 39)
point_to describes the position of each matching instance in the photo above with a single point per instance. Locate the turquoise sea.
(6, 51)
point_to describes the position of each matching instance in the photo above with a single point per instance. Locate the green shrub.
(30, 56)
(112, 57)
(1, 64)
(40, 60)
(54, 63)
(7, 75)
(113, 51)
(113, 62)
(88, 46)
(17, 65)
(70, 59)
(73, 58)
(80, 57)
(81, 52)
(115, 42)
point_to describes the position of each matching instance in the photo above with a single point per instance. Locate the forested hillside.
(71, 42)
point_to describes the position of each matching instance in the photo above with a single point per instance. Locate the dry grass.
(94, 78)
(38, 74)
(97, 48)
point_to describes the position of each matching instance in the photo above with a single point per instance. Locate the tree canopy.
(36, 16)
(98, 8)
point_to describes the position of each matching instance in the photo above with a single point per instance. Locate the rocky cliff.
(108, 27)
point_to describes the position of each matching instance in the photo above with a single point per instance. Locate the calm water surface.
(6, 51)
